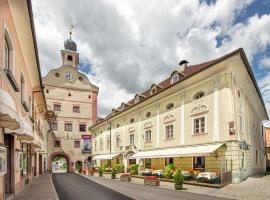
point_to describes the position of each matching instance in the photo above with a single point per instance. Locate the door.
(9, 143)
(35, 164)
(40, 164)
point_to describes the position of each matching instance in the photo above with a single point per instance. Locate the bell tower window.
(69, 58)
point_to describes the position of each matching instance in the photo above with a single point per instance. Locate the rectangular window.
(117, 141)
(131, 139)
(168, 161)
(257, 157)
(56, 107)
(169, 132)
(199, 125)
(100, 145)
(199, 163)
(148, 136)
(76, 109)
(240, 124)
(7, 55)
(108, 144)
(77, 144)
(25, 158)
(82, 127)
(95, 145)
(68, 126)
(57, 143)
(54, 126)
(147, 162)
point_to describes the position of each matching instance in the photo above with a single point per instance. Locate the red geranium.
(152, 178)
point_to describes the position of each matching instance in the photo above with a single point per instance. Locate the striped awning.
(179, 152)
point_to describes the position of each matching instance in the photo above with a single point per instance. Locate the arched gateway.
(62, 154)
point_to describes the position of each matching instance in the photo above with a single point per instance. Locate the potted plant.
(125, 177)
(151, 180)
(113, 173)
(134, 169)
(101, 170)
(178, 179)
(168, 172)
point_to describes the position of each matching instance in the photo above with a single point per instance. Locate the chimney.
(183, 65)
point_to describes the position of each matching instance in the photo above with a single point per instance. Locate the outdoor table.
(157, 172)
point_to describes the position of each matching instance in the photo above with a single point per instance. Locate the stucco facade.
(23, 129)
(213, 97)
(74, 100)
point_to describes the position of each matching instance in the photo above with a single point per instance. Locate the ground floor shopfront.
(21, 161)
(231, 156)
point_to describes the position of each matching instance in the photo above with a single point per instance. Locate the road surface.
(73, 186)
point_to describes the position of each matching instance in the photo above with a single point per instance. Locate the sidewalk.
(40, 189)
(254, 188)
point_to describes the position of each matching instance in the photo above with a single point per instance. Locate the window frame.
(200, 126)
(148, 136)
(76, 142)
(131, 139)
(56, 107)
(55, 143)
(76, 109)
(81, 124)
(169, 135)
(195, 165)
(173, 80)
(117, 141)
(55, 124)
(68, 124)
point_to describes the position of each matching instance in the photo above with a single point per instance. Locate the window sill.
(12, 80)
(169, 139)
(199, 134)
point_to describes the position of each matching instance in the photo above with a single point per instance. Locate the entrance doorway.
(9, 176)
(59, 164)
(40, 164)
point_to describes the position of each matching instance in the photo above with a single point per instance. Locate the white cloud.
(132, 44)
(265, 62)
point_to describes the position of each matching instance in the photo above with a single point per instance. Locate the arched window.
(69, 57)
(199, 95)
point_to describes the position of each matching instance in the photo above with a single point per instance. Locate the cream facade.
(23, 129)
(74, 100)
(197, 107)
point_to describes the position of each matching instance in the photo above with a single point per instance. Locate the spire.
(69, 43)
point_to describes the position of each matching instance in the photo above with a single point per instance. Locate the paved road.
(72, 187)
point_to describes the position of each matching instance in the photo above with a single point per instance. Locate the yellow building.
(204, 117)
(74, 100)
(23, 129)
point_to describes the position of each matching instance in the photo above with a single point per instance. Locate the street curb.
(54, 190)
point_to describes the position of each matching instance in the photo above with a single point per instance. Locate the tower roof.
(69, 43)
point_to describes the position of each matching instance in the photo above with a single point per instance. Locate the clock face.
(69, 76)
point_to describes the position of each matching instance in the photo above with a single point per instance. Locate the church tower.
(69, 54)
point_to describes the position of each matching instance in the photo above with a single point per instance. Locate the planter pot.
(125, 178)
(151, 182)
(178, 187)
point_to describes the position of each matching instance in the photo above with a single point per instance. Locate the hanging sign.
(87, 148)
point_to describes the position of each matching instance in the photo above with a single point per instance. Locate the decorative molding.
(199, 110)
(169, 118)
(148, 125)
(131, 129)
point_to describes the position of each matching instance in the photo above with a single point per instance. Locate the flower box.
(125, 177)
(151, 180)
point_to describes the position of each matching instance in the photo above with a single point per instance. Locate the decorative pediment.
(168, 118)
(117, 134)
(199, 109)
(148, 125)
(131, 129)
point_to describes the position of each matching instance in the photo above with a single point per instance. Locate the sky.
(127, 45)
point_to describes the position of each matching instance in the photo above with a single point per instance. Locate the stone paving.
(40, 189)
(254, 188)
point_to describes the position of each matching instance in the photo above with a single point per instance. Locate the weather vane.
(70, 30)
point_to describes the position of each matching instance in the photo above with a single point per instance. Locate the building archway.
(63, 155)
(78, 166)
